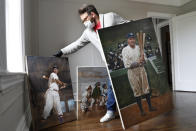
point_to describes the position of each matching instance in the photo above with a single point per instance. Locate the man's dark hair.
(55, 67)
(88, 9)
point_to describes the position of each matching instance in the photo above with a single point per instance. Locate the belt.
(54, 90)
(136, 67)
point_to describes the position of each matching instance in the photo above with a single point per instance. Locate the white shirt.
(104, 91)
(52, 84)
(85, 95)
(90, 36)
(130, 55)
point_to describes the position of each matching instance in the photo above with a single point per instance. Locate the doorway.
(166, 51)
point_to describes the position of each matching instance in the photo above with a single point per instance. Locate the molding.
(160, 15)
(175, 3)
(8, 82)
(25, 121)
(12, 87)
(159, 26)
(172, 54)
(22, 126)
(10, 100)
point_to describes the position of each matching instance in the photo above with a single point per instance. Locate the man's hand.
(64, 85)
(58, 54)
(134, 65)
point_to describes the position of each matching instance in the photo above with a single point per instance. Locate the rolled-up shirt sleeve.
(53, 76)
(119, 20)
(75, 46)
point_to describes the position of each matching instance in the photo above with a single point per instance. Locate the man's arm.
(75, 46)
(59, 82)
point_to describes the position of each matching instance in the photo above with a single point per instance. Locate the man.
(97, 93)
(104, 91)
(134, 62)
(94, 21)
(52, 94)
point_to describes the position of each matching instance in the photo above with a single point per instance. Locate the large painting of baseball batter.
(51, 96)
(138, 74)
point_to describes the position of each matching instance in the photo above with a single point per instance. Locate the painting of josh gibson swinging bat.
(50, 89)
(139, 77)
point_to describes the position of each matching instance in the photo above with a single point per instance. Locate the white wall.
(183, 48)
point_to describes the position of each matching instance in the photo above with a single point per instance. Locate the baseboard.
(25, 121)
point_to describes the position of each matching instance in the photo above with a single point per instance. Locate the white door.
(184, 52)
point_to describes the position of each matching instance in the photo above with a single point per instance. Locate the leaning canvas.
(50, 91)
(92, 92)
(138, 75)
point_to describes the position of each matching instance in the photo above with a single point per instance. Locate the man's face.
(89, 90)
(98, 84)
(105, 86)
(55, 70)
(85, 17)
(131, 42)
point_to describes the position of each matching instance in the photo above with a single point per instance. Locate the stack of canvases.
(136, 69)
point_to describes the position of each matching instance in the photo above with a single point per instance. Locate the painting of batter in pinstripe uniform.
(138, 72)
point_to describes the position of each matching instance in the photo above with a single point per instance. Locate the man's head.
(104, 86)
(88, 15)
(55, 69)
(131, 40)
(89, 88)
(97, 84)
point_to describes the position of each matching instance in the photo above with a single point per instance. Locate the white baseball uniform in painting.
(52, 97)
(137, 76)
(90, 36)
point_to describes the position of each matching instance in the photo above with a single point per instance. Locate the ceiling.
(176, 3)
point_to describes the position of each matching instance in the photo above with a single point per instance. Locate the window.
(14, 38)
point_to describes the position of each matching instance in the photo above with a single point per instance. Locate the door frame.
(169, 17)
(159, 26)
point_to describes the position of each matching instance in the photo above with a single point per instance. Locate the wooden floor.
(182, 118)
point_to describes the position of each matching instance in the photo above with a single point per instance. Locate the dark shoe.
(60, 118)
(143, 113)
(152, 109)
